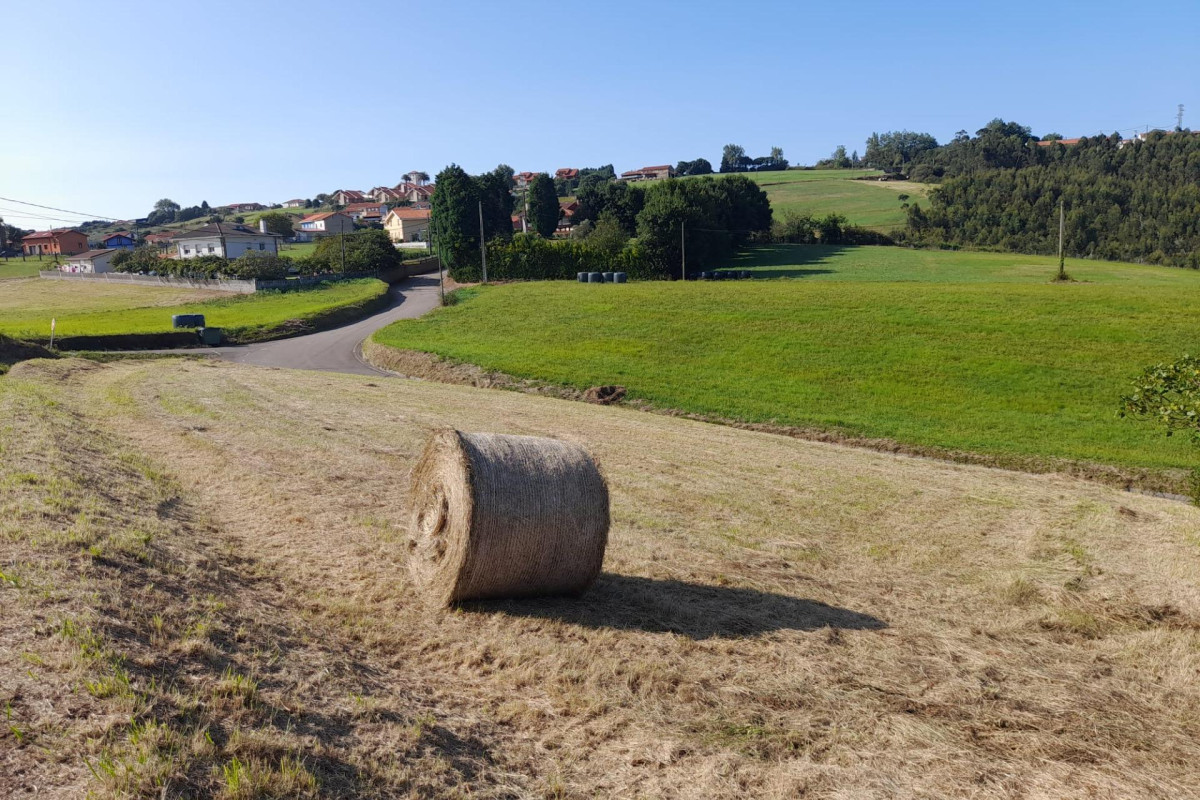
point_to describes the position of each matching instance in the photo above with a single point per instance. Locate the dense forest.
(1132, 200)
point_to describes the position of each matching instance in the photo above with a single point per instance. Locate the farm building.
(226, 240)
(660, 173)
(327, 223)
(407, 224)
(121, 240)
(90, 262)
(60, 241)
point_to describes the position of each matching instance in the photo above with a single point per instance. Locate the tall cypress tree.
(455, 217)
(543, 205)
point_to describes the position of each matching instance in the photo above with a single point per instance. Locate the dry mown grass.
(777, 617)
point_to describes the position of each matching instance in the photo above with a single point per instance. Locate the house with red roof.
(327, 223)
(366, 212)
(59, 241)
(344, 197)
(660, 173)
(121, 240)
(408, 224)
(566, 174)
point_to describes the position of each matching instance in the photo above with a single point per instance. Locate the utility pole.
(1179, 118)
(342, 241)
(1062, 226)
(482, 243)
(683, 249)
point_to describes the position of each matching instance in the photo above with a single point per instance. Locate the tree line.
(1129, 201)
(638, 228)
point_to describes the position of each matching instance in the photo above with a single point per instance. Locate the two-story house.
(60, 241)
(327, 223)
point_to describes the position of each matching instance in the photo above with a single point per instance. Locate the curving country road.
(339, 349)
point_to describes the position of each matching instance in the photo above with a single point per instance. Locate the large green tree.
(278, 223)
(733, 158)
(495, 193)
(543, 205)
(455, 217)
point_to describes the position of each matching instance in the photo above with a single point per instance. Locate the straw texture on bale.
(505, 516)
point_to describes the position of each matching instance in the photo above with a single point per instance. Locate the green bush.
(530, 257)
(366, 251)
(262, 266)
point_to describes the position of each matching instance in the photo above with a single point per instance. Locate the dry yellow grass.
(776, 618)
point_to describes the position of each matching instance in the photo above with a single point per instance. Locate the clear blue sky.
(110, 106)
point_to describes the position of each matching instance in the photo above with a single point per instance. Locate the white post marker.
(52, 323)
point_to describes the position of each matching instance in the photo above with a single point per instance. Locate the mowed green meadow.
(100, 309)
(963, 351)
(867, 203)
(25, 267)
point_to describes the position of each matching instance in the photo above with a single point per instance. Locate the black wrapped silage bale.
(595, 277)
(608, 277)
(620, 277)
(187, 320)
(582, 277)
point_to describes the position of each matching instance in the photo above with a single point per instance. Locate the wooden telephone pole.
(1062, 227)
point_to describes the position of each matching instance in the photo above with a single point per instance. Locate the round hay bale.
(581, 277)
(505, 516)
(595, 277)
(620, 277)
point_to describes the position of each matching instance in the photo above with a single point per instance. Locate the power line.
(14, 213)
(63, 210)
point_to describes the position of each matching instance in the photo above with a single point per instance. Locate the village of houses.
(403, 211)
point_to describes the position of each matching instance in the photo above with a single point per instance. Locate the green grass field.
(966, 351)
(871, 204)
(24, 268)
(97, 309)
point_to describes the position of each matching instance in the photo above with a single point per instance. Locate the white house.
(91, 261)
(226, 240)
(296, 203)
(327, 223)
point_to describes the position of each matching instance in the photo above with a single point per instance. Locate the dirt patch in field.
(427, 366)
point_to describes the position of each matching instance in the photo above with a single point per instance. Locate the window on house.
(212, 249)
(187, 251)
(262, 246)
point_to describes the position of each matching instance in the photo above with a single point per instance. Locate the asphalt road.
(339, 349)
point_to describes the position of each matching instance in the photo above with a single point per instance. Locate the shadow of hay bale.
(625, 602)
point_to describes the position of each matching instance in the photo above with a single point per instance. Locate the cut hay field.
(204, 584)
(100, 309)
(870, 204)
(946, 351)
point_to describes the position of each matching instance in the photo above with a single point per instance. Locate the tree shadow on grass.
(626, 602)
(786, 260)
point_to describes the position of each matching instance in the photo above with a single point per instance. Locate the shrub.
(263, 266)
(367, 251)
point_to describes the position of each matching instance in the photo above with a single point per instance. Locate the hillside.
(204, 588)
(935, 351)
(867, 203)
